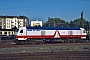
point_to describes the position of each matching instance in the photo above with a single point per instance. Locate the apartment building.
(9, 22)
(36, 23)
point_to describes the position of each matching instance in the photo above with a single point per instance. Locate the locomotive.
(33, 35)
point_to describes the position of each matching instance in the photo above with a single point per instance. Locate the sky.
(42, 9)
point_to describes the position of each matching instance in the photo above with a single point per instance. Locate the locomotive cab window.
(21, 31)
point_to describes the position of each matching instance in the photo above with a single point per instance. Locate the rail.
(63, 55)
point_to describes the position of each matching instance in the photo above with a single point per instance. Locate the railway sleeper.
(42, 41)
(22, 42)
(35, 41)
(17, 42)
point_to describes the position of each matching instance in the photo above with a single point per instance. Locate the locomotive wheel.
(44, 41)
(29, 42)
(33, 41)
(22, 42)
(17, 42)
(76, 41)
(83, 41)
(39, 42)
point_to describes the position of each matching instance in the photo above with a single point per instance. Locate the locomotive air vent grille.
(42, 33)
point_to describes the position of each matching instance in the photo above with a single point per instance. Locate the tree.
(77, 23)
(51, 21)
(89, 25)
(72, 24)
(80, 23)
(86, 26)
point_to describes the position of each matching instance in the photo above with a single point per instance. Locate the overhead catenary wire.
(22, 3)
(39, 9)
(62, 9)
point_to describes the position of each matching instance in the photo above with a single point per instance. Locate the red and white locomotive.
(33, 34)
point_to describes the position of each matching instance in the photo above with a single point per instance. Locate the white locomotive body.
(28, 33)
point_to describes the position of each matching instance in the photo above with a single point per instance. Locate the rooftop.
(63, 25)
(19, 17)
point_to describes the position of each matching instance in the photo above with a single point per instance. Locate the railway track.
(10, 44)
(48, 44)
(54, 54)
(63, 55)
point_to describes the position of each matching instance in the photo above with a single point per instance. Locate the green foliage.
(77, 23)
(51, 21)
(80, 23)
(76, 49)
(72, 23)
(86, 26)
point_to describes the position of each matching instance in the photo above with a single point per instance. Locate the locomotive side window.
(21, 31)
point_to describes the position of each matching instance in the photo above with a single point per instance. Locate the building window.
(0, 33)
(12, 32)
(0, 27)
(4, 25)
(5, 32)
(15, 20)
(7, 23)
(9, 20)
(9, 33)
(20, 23)
(9, 26)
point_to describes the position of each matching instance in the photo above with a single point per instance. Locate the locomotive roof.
(52, 28)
